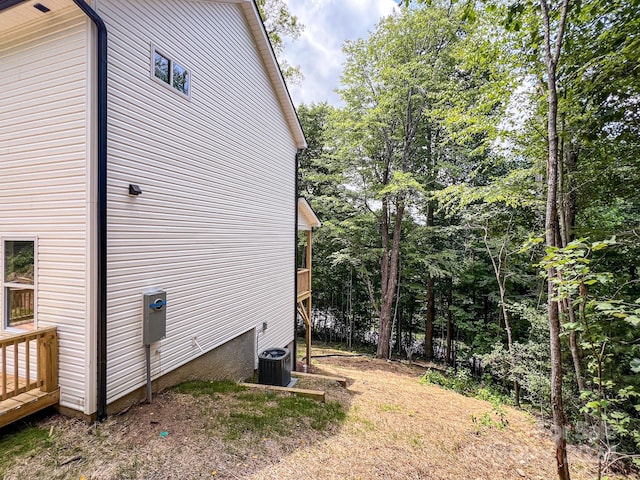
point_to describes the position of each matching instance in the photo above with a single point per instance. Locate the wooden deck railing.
(304, 281)
(20, 372)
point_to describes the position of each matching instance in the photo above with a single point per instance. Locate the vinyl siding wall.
(214, 226)
(43, 179)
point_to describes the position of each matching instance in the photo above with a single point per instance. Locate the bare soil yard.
(393, 427)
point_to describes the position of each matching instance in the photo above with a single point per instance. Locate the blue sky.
(318, 52)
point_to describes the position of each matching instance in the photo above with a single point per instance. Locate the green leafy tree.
(280, 25)
(580, 54)
(609, 330)
(403, 127)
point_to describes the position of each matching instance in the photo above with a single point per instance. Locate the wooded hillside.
(479, 196)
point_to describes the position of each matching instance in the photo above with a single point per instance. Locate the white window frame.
(4, 323)
(172, 61)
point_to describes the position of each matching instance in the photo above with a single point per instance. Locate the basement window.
(18, 282)
(170, 73)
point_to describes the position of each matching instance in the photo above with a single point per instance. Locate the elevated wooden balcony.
(304, 283)
(307, 221)
(28, 373)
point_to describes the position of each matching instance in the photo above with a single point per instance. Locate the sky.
(318, 51)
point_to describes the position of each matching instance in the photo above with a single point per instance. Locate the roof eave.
(273, 69)
(305, 210)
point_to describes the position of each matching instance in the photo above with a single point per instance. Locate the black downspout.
(295, 265)
(101, 334)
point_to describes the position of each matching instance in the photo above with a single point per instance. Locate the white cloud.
(318, 51)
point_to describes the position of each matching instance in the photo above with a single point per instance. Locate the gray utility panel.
(154, 317)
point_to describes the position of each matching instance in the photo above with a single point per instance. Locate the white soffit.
(307, 218)
(26, 13)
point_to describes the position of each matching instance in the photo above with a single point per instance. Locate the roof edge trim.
(273, 67)
(4, 4)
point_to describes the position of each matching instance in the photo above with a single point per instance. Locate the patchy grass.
(21, 444)
(196, 387)
(253, 415)
(385, 425)
(190, 431)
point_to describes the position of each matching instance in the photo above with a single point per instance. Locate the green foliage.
(281, 25)
(496, 418)
(456, 137)
(609, 332)
(462, 382)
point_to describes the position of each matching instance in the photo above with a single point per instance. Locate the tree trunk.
(574, 344)
(512, 355)
(551, 233)
(350, 309)
(576, 356)
(431, 316)
(567, 217)
(385, 333)
(497, 262)
(431, 300)
(389, 276)
(449, 351)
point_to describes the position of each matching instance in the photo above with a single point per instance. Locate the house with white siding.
(148, 151)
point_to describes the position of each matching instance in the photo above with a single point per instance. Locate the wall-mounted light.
(41, 7)
(134, 189)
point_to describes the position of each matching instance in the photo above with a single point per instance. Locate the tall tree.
(553, 37)
(392, 89)
(280, 24)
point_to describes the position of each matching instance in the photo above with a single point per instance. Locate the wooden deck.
(304, 283)
(28, 373)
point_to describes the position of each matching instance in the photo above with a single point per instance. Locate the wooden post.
(48, 360)
(16, 370)
(308, 265)
(308, 252)
(27, 364)
(4, 395)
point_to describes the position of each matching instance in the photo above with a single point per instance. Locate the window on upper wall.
(169, 72)
(18, 282)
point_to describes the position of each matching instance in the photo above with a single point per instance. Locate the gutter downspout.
(295, 263)
(101, 321)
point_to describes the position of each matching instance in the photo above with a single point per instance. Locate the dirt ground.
(395, 428)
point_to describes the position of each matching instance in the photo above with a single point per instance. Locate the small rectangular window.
(19, 283)
(170, 73)
(180, 79)
(161, 67)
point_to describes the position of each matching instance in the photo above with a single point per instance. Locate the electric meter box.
(154, 318)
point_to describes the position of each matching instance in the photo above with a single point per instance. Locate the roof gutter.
(9, 3)
(101, 320)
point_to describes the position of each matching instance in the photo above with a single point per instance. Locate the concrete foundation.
(235, 360)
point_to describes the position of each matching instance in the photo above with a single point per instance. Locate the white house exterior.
(197, 116)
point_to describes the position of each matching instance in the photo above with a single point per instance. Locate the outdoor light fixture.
(41, 7)
(134, 189)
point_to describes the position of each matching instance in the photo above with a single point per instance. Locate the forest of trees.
(479, 189)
